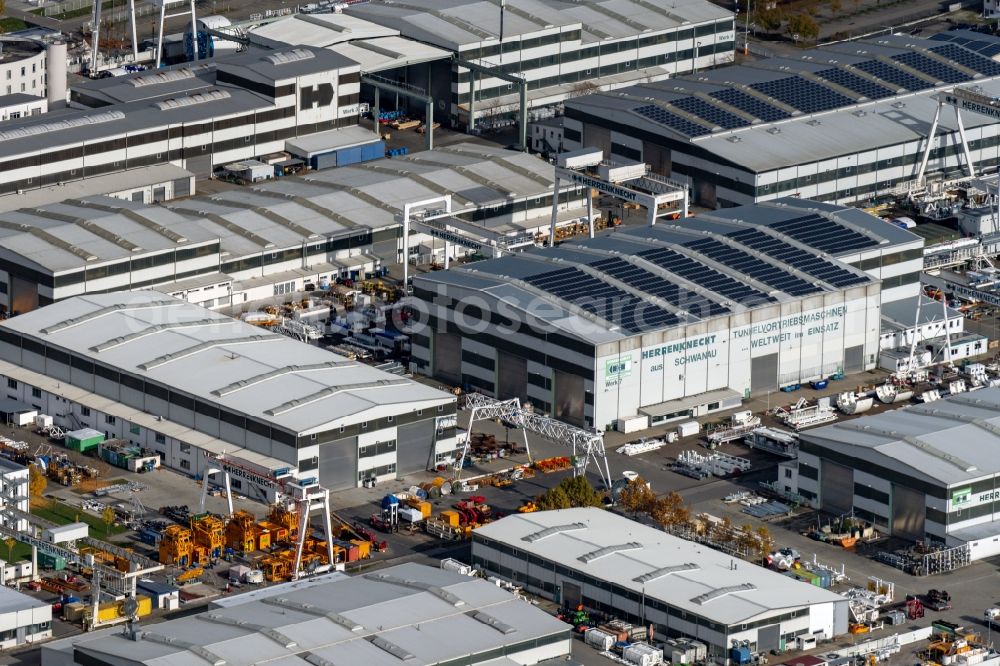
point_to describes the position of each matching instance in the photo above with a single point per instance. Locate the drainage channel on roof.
(189, 351)
(550, 531)
(438, 592)
(702, 599)
(288, 369)
(310, 609)
(82, 319)
(193, 648)
(492, 622)
(663, 572)
(330, 391)
(270, 632)
(593, 555)
(122, 339)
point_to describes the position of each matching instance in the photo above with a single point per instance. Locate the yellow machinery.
(244, 535)
(176, 546)
(283, 524)
(208, 532)
(190, 574)
(276, 568)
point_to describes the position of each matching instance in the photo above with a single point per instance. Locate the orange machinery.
(208, 532)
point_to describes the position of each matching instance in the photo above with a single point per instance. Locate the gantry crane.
(587, 445)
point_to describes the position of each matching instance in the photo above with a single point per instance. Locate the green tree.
(804, 26)
(11, 542)
(670, 510)
(554, 498)
(746, 540)
(835, 7)
(765, 542)
(636, 497)
(581, 492)
(768, 19)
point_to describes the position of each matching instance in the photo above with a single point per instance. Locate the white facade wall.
(809, 336)
(22, 109)
(26, 75)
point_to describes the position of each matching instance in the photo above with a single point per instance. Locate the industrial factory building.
(925, 472)
(196, 116)
(641, 574)
(408, 613)
(670, 321)
(560, 48)
(187, 383)
(23, 619)
(273, 238)
(843, 123)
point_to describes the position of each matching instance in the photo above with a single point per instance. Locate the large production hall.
(673, 320)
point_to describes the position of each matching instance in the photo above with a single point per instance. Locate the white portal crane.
(587, 445)
(961, 99)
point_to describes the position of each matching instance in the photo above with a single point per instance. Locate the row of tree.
(673, 515)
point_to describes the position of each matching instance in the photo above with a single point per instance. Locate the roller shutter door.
(414, 446)
(836, 487)
(338, 464)
(512, 377)
(909, 511)
(448, 357)
(768, 638)
(764, 373)
(854, 359)
(569, 398)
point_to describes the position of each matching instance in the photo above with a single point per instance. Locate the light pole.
(746, 31)
(694, 64)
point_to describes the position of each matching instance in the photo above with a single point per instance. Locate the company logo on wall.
(313, 96)
(961, 496)
(617, 369)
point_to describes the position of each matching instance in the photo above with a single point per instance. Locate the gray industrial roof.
(454, 23)
(830, 101)
(375, 47)
(220, 360)
(408, 613)
(902, 314)
(280, 213)
(684, 574)
(640, 279)
(12, 601)
(950, 441)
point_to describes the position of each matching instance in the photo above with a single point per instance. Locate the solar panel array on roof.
(673, 121)
(750, 104)
(892, 75)
(858, 84)
(984, 46)
(798, 258)
(750, 265)
(713, 114)
(806, 96)
(966, 58)
(643, 280)
(931, 67)
(824, 235)
(600, 298)
(699, 273)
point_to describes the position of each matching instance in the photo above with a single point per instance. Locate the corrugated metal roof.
(395, 620)
(712, 588)
(195, 351)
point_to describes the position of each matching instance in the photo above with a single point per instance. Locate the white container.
(599, 639)
(43, 421)
(461, 568)
(632, 424)
(643, 655)
(410, 514)
(254, 577)
(688, 428)
(22, 419)
(64, 533)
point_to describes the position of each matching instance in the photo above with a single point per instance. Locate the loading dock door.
(448, 357)
(571, 597)
(569, 398)
(909, 511)
(512, 377)
(768, 637)
(764, 373)
(836, 487)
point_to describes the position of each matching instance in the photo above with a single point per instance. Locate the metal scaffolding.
(587, 445)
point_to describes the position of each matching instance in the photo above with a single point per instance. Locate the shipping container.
(643, 655)
(599, 639)
(348, 156)
(84, 440)
(688, 428)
